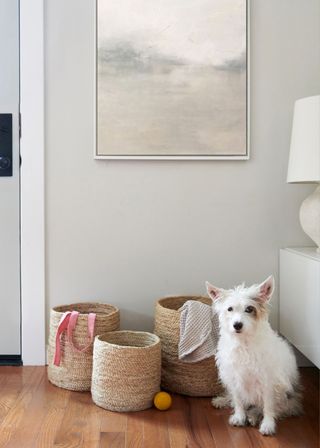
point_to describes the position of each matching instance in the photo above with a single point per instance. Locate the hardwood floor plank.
(198, 429)
(219, 430)
(176, 426)
(49, 428)
(134, 440)
(32, 420)
(92, 428)
(295, 432)
(112, 440)
(287, 436)
(55, 403)
(310, 377)
(238, 436)
(72, 428)
(113, 422)
(56, 397)
(260, 441)
(16, 416)
(12, 381)
(135, 430)
(155, 429)
(8, 396)
(310, 382)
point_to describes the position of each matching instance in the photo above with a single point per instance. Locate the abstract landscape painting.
(171, 78)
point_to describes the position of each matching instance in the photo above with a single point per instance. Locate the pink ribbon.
(63, 325)
(68, 323)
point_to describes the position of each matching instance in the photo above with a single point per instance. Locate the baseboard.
(10, 360)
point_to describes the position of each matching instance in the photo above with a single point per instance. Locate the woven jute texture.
(198, 379)
(126, 370)
(75, 369)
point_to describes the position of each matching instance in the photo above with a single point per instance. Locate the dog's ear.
(214, 292)
(265, 289)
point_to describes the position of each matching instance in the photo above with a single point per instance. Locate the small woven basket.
(126, 370)
(75, 369)
(198, 379)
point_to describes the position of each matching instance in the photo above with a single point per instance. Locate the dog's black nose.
(237, 325)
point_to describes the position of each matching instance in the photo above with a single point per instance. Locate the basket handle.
(67, 323)
(63, 325)
(72, 324)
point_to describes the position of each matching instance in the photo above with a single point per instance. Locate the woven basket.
(126, 370)
(198, 379)
(75, 369)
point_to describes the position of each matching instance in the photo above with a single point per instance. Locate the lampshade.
(304, 160)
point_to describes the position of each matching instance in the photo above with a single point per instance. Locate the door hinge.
(19, 125)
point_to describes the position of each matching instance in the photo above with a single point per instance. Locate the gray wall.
(128, 232)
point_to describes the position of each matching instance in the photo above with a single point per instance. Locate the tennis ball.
(162, 401)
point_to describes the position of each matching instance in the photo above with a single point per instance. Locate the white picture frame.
(245, 156)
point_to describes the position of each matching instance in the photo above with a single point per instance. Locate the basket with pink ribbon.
(72, 331)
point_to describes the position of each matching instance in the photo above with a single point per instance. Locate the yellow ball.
(162, 401)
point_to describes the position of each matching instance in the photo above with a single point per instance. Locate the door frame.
(32, 149)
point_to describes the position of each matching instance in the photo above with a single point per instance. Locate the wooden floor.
(35, 414)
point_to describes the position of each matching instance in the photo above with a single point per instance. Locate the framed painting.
(172, 79)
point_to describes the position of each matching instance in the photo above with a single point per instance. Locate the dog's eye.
(230, 308)
(249, 309)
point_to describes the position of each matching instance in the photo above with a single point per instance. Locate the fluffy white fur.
(256, 366)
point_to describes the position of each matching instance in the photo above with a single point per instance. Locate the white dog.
(256, 366)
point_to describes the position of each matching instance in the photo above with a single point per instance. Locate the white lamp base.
(310, 216)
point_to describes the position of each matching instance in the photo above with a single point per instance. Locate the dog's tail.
(293, 401)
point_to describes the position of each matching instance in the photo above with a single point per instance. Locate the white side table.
(300, 300)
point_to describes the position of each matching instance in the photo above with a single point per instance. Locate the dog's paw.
(220, 402)
(268, 427)
(237, 420)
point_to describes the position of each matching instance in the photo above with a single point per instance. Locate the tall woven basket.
(126, 370)
(198, 379)
(70, 350)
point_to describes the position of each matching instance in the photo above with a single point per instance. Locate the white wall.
(128, 232)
